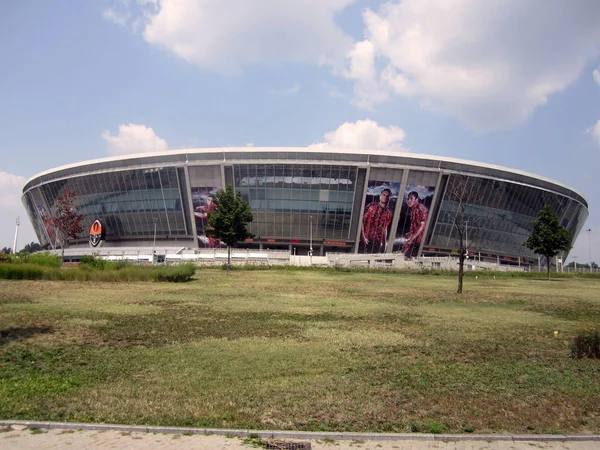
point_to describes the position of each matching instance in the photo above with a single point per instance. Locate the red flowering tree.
(66, 221)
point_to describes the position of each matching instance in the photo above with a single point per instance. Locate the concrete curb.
(305, 434)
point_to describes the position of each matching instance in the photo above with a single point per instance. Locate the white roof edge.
(314, 149)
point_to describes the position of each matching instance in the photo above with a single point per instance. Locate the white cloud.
(11, 187)
(595, 131)
(367, 90)
(134, 138)
(596, 74)
(114, 16)
(490, 63)
(364, 134)
(289, 91)
(228, 35)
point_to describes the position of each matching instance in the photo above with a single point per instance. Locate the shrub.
(93, 262)
(176, 274)
(586, 345)
(111, 272)
(4, 257)
(41, 259)
(435, 427)
(21, 272)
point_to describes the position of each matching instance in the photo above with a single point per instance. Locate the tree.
(31, 248)
(66, 221)
(548, 237)
(228, 219)
(5, 255)
(462, 193)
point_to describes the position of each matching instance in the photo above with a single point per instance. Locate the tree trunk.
(62, 251)
(461, 271)
(548, 262)
(228, 257)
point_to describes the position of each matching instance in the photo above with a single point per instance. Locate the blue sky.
(504, 82)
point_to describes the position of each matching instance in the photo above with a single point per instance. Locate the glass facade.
(350, 202)
(126, 202)
(499, 215)
(286, 198)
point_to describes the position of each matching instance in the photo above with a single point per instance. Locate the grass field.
(304, 350)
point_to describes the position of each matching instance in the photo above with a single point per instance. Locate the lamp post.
(154, 243)
(310, 250)
(17, 221)
(589, 232)
(466, 238)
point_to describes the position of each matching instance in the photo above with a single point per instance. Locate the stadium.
(304, 200)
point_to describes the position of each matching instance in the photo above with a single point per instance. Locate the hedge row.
(25, 271)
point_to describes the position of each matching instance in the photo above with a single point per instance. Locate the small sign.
(96, 233)
(335, 243)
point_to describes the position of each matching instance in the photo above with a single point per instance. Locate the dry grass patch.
(307, 350)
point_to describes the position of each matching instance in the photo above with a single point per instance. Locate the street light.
(310, 250)
(154, 244)
(589, 232)
(16, 234)
(466, 238)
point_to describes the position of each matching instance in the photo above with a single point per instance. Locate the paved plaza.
(31, 436)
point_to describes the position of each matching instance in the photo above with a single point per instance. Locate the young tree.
(227, 221)
(461, 192)
(66, 221)
(548, 237)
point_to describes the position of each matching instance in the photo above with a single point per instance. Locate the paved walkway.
(27, 435)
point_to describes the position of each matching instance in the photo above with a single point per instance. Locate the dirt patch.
(18, 333)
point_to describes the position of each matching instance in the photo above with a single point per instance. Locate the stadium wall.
(331, 200)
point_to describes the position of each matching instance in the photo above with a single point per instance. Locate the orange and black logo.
(96, 233)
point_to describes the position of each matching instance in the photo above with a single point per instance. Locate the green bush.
(92, 262)
(435, 427)
(41, 259)
(21, 272)
(4, 257)
(586, 345)
(175, 274)
(85, 272)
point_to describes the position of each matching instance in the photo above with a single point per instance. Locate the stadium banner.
(380, 205)
(416, 203)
